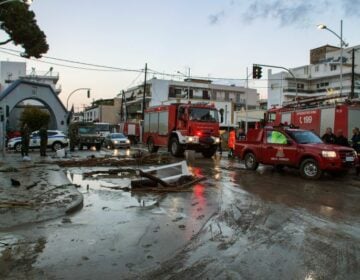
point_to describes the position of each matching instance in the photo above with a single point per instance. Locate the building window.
(206, 94)
(322, 85)
(317, 68)
(333, 67)
(300, 86)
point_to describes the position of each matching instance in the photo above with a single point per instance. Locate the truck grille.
(344, 154)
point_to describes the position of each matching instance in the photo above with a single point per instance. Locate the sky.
(214, 38)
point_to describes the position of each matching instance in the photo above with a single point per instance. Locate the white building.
(320, 78)
(227, 99)
(11, 71)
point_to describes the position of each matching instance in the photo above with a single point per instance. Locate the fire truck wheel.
(309, 169)
(175, 148)
(151, 147)
(250, 161)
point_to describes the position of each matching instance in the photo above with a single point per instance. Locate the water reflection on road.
(236, 224)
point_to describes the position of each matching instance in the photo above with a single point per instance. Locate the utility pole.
(143, 103)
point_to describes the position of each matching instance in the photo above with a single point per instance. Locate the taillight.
(199, 133)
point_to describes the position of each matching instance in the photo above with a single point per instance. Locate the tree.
(34, 117)
(19, 23)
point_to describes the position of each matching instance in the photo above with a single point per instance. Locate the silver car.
(116, 140)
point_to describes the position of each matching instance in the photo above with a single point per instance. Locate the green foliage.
(34, 117)
(19, 23)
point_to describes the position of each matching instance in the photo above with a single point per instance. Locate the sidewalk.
(44, 192)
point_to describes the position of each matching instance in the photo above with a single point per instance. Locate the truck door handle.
(269, 148)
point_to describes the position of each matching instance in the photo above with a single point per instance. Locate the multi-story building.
(11, 71)
(227, 99)
(320, 78)
(103, 110)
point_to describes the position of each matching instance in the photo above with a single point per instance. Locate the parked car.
(116, 140)
(56, 140)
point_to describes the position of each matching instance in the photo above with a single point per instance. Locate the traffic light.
(257, 72)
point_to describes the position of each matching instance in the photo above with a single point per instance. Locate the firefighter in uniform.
(43, 140)
(355, 140)
(25, 140)
(329, 136)
(231, 142)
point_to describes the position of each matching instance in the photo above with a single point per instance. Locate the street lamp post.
(342, 45)
(67, 101)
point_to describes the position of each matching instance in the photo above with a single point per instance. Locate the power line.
(81, 63)
(61, 65)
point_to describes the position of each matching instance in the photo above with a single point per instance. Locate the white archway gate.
(21, 90)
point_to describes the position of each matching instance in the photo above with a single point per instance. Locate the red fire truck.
(131, 130)
(182, 127)
(317, 118)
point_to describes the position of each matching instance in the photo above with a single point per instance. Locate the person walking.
(43, 140)
(231, 142)
(72, 136)
(25, 140)
(329, 136)
(340, 139)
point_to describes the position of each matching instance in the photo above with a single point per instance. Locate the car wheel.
(17, 147)
(250, 161)
(56, 146)
(309, 169)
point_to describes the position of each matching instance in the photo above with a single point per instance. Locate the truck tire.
(175, 147)
(151, 147)
(250, 161)
(309, 169)
(208, 153)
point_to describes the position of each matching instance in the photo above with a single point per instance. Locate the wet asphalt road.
(236, 225)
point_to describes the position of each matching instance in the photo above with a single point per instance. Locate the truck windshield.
(305, 137)
(204, 114)
(87, 130)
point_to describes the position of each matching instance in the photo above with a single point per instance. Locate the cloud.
(351, 7)
(288, 12)
(215, 18)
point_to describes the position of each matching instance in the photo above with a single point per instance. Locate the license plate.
(349, 158)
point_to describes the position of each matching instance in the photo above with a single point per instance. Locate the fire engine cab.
(181, 127)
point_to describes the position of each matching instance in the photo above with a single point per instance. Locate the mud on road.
(236, 225)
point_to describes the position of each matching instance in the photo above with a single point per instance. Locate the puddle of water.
(97, 190)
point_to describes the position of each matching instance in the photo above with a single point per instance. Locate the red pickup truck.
(296, 148)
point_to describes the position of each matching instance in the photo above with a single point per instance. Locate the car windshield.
(204, 114)
(117, 135)
(305, 137)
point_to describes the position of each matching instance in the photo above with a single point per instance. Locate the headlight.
(115, 142)
(127, 141)
(217, 140)
(328, 154)
(190, 139)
